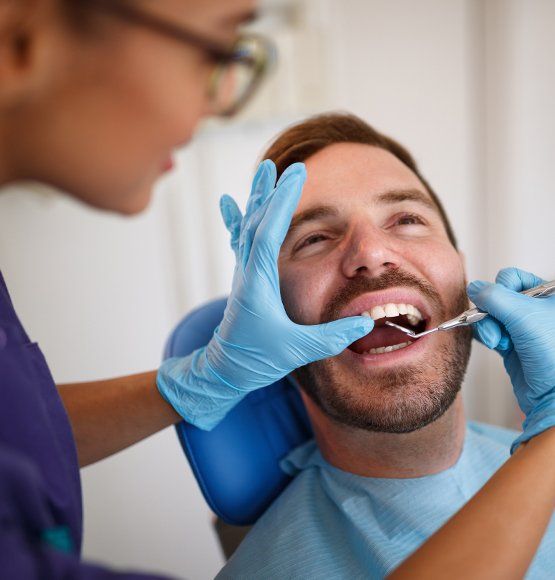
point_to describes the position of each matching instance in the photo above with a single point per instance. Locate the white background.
(467, 85)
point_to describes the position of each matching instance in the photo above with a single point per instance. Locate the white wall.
(467, 85)
(519, 147)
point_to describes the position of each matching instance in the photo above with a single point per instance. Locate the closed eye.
(409, 220)
(311, 240)
(314, 239)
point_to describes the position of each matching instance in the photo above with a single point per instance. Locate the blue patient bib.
(332, 524)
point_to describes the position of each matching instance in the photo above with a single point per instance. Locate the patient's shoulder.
(272, 547)
(494, 433)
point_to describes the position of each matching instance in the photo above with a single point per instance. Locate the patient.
(393, 457)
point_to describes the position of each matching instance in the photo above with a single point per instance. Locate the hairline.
(301, 141)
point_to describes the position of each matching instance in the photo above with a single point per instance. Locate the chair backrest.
(237, 463)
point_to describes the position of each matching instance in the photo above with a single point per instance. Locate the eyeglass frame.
(260, 63)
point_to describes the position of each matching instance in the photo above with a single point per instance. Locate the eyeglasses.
(239, 70)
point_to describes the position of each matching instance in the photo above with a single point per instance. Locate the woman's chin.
(134, 202)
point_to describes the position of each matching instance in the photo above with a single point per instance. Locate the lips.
(404, 308)
(168, 164)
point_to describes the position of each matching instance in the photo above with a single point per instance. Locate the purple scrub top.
(41, 514)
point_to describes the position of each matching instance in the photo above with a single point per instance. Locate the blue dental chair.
(237, 463)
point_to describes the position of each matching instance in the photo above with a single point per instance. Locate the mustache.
(389, 279)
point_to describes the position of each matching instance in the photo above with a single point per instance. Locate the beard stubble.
(399, 400)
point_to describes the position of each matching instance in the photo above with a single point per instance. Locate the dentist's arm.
(109, 415)
(498, 532)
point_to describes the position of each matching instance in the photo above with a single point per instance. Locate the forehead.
(354, 172)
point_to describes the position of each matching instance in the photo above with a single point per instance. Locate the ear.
(22, 23)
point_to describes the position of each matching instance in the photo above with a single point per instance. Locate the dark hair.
(304, 139)
(84, 16)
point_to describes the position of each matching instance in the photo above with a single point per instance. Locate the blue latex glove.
(522, 330)
(256, 343)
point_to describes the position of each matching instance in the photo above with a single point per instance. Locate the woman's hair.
(83, 16)
(76, 10)
(305, 139)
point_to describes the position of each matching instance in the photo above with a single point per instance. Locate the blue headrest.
(237, 463)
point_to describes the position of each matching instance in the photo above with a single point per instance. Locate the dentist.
(85, 107)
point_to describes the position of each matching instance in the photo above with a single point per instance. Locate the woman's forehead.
(212, 16)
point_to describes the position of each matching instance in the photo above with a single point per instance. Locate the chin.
(135, 206)
(133, 203)
(410, 389)
(136, 201)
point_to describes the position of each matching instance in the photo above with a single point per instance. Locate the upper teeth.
(390, 310)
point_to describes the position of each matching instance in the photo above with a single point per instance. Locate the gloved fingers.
(262, 185)
(263, 188)
(274, 225)
(496, 300)
(253, 219)
(488, 332)
(517, 280)
(297, 167)
(491, 334)
(231, 214)
(331, 338)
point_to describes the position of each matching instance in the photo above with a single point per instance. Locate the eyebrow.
(313, 214)
(400, 195)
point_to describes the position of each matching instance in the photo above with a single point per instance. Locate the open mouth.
(385, 339)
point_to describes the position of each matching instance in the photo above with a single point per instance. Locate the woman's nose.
(369, 251)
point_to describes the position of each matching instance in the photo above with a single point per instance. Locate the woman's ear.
(23, 30)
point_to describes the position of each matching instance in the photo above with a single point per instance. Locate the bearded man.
(393, 456)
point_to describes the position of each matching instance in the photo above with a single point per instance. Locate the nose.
(369, 251)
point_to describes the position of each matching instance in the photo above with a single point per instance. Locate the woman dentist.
(84, 107)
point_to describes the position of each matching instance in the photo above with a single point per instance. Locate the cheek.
(162, 96)
(177, 105)
(446, 272)
(304, 292)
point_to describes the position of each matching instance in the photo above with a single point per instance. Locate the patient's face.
(367, 237)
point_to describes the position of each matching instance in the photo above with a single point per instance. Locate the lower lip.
(388, 358)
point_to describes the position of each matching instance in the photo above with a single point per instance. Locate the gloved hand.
(256, 343)
(522, 330)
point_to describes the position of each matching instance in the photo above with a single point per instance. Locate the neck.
(6, 175)
(429, 450)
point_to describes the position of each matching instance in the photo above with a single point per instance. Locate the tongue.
(380, 336)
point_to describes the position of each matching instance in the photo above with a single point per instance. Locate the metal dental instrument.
(474, 315)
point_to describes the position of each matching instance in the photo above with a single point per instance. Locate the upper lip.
(365, 302)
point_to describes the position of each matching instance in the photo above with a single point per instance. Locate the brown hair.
(301, 141)
(87, 18)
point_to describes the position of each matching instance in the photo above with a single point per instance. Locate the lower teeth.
(383, 349)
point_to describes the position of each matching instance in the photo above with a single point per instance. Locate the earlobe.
(19, 27)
